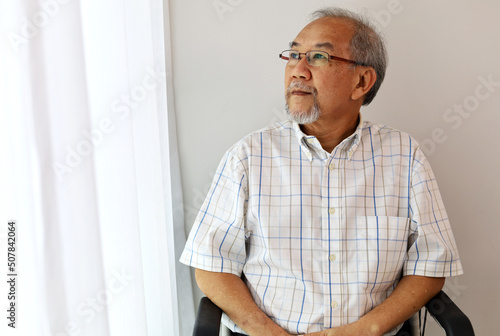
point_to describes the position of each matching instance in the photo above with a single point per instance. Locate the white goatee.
(302, 116)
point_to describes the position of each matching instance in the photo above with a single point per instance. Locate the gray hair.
(367, 45)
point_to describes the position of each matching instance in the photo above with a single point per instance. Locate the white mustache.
(302, 86)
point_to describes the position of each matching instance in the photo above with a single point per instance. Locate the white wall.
(228, 81)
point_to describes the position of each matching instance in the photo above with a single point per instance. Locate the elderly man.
(326, 223)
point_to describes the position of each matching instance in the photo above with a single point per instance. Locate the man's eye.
(294, 55)
(318, 56)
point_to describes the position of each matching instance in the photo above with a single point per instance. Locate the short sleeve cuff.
(211, 263)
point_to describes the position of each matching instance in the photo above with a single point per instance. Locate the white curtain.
(89, 169)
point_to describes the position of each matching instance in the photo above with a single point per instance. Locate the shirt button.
(310, 140)
(334, 304)
(331, 211)
(332, 257)
(331, 166)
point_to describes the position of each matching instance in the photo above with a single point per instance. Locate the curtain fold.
(91, 163)
(185, 300)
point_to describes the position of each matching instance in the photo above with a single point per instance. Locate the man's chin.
(302, 117)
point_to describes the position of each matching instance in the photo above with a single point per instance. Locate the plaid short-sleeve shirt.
(322, 238)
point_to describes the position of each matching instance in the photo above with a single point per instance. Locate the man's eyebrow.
(326, 45)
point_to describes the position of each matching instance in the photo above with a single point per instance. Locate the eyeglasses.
(313, 57)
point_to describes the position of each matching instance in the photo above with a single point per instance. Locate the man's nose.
(301, 69)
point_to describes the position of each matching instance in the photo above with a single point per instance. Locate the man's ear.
(366, 78)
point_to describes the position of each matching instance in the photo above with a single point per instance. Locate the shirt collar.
(309, 143)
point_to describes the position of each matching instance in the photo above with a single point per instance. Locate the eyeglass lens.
(314, 58)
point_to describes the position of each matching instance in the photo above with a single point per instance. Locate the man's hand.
(353, 329)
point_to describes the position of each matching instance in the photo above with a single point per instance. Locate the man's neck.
(330, 133)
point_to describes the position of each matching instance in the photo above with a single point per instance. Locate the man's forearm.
(231, 294)
(411, 294)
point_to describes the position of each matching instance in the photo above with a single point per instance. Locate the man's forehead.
(328, 33)
(319, 45)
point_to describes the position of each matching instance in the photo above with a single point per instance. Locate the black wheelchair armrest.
(208, 319)
(449, 316)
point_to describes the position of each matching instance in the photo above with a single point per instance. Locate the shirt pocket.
(380, 252)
